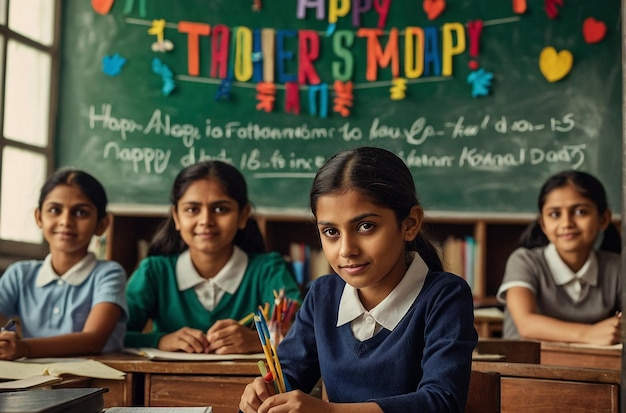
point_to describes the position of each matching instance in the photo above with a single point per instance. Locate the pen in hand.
(9, 326)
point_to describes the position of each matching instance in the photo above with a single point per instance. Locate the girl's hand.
(10, 346)
(186, 339)
(604, 333)
(293, 402)
(230, 337)
(254, 395)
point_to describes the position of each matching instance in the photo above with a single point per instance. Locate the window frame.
(10, 250)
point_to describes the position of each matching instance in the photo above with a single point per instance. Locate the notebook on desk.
(156, 354)
(29, 383)
(85, 400)
(159, 410)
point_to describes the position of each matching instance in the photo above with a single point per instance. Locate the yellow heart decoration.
(555, 66)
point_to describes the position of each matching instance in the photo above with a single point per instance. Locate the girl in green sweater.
(206, 268)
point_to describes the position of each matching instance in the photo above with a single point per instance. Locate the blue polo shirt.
(51, 305)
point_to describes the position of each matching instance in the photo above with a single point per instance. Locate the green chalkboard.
(485, 153)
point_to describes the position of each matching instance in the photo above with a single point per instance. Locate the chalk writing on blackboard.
(160, 124)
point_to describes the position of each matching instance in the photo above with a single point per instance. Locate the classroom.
(481, 100)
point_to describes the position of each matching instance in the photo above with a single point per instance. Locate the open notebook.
(14, 370)
(159, 410)
(29, 383)
(156, 354)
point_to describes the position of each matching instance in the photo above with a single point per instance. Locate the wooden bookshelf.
(495, 236)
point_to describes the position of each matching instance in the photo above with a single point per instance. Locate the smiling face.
(364, 243)
(572, 222)
(208, 219)
(68, 220)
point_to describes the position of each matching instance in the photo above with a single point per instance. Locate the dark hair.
(167, 239)
(381, 177)
(589, 187)
(87, 184)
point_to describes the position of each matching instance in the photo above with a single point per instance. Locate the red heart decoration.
(434, 8)
(593, 30)
(102, 6)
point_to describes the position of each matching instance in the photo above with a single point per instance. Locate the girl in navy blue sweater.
(389, 331)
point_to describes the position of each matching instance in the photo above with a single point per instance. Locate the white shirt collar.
(575, 284)
(227, 279)
(563, 274)
(74, 276)
(393, 308)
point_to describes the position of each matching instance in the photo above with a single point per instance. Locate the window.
(29, 60)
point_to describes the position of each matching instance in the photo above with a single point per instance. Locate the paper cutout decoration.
(166, 74)
(257, 56)
(555, 66)
(102, 6)
(284, 54)
(157, 29)
(292, 98)
(474, 30)
(519, 6)
(398, 89)
(382, 8)
(336, 9)
(322, 91)
(112, 65)
(376, 56)
(550, 6)
(219, 51)
(130, 5)
(308, 52)
(223, 91)
(448, 46)
(343, 67)
(243, 66)
(481, 82)
(434, 8)
(343, 97)
(268, 47)
(266, 95)
(593, 30)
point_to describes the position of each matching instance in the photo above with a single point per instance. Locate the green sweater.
(152, 293)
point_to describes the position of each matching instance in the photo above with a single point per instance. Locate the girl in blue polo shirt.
(389, 331)
(70, 303)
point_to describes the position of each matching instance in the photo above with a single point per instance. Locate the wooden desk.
(564, 354)
(487, 327)
(185, 383)
(514, 351)
(541, 388)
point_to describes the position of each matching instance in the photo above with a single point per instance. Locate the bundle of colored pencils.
(275, 372)
(283, 314)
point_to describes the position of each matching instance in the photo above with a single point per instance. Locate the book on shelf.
(459, 257)
(307, 263)
(489, 312)
(81, 400)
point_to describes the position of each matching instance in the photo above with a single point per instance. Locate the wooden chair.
(484, 392)
(514, 351)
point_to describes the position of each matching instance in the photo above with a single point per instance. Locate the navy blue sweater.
(423, 365)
